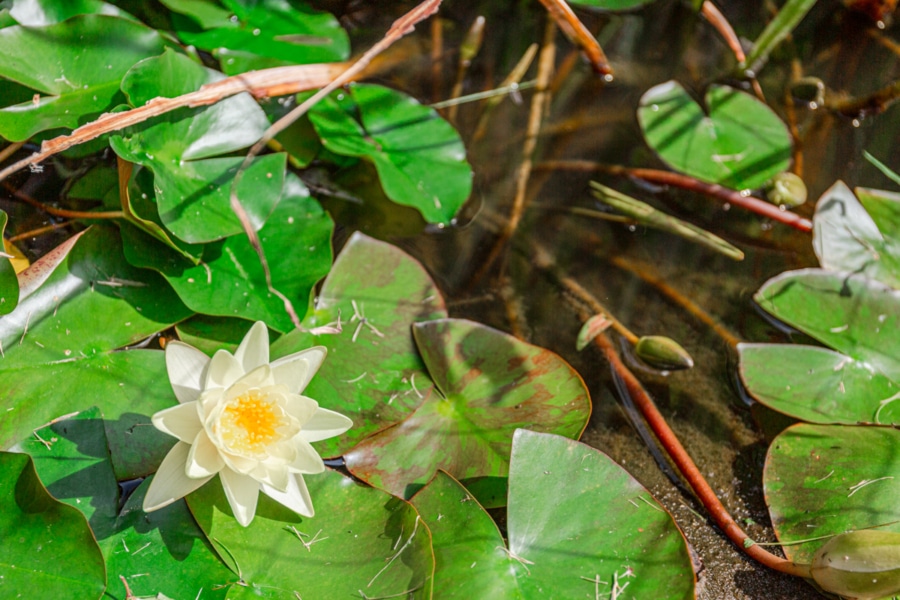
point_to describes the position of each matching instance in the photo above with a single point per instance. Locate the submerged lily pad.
(361, 539)
(734, 140)
(824, 480)
(47, 546)
(488, 384)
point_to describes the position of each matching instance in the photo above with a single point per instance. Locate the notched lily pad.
(488, 385)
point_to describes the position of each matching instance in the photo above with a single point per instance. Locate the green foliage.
(9, 283)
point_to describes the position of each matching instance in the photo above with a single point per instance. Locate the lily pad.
(420, 158)
(246, 35)
(846, 238)
(162, 552)
(361, 539)
(818, 385)
(47, 545)
(34, 13)
(488, 384)
(824, 480)
(850, 313)
(373, 373)
(193, 189)
(9, 283)
(733, 140)
(229, 279)
(74, 69)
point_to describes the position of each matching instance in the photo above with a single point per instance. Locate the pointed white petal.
(325, 424)
(257, 378)
(204, 459)
(276, 476)
(254, 348)
(239, 464)
(307, 459)
(301, 408)
(187, 370)
(224, 369)
(170, 483)
(180, 421)
(242, 492)
(295, 498)
(288, 372)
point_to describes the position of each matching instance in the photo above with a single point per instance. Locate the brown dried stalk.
(571, 25)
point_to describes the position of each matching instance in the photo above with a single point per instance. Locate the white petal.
(170, 483)
(325, 424)
(307, 459)
(180, 421)
(254, 348)
(242, 492)
(187, 370)
(276, 476)
(257, 378)
(288, 370)
(301, 408)
(295, 498)
(224, 369)
(239, 464)
(204, 459)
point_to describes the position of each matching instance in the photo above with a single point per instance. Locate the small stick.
(61, 212)
(721, 24)
(571, 25)
(468, 50)
(756, 205)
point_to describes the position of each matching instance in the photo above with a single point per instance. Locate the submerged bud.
(663, 353)
(859, 564)
(786, 189)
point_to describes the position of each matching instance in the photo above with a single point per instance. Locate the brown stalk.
(61, 212)
(721, 24)
(756, 205)
(571, 25)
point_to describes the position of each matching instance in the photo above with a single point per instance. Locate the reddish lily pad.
(373, 373)
(488, 384)
(823, 480)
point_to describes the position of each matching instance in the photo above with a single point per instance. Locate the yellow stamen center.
(250, 422)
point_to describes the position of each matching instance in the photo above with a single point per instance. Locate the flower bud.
(663, 353)
(786, 189)
(859, 564)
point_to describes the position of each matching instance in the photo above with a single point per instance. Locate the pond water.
(637, 272)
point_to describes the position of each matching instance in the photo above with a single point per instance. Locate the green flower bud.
(859, 564)
(786, 189)
(663, 353)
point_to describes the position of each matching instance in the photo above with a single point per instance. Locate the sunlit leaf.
(47, 546)
(34, 13)
(824, 480)
(193, 188)
(361, 539)
(733, 140)
(229, 279)
(846, 238)
(373, 373)
(73, 67)
(818, 385)
(488, 384)
(419, 157)
(246, 35)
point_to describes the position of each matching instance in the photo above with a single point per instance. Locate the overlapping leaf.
(9, 283)
(246, 35)
(74, 69)
(34, 13)
(488, 385)
(734, 140)
(419, 157)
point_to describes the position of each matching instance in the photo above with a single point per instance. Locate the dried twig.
(575, 30)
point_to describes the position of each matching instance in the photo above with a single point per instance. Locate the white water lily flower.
(245, 419)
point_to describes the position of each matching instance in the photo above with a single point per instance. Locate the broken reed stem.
(468, 50)
(670, 443)
(755, 205)
(539, 103)
(578, 34)
(721, 24)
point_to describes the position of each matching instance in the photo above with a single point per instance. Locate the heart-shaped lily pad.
(823, 480)
(488, 385)
(734, 140)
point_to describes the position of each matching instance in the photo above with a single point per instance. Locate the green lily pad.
(193, 189)
(9, 283)
(420, 158)
(734, 140)
(361, 539)
(852, 314)
(488, 384)
(35, 13)
(229, 279)
(373, 373)
(818, 385)
(75, 67)
(47, 545)
(161, 552)
(246, 35)
(846, 238)
(824, 480)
